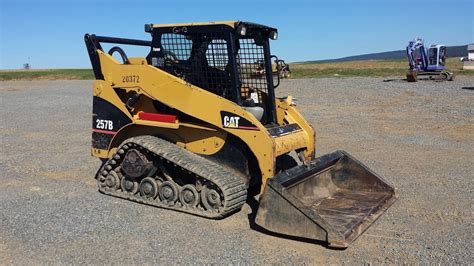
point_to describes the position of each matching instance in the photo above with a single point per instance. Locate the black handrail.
(105, 39)
(93, 44)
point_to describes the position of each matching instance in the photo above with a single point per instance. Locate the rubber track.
(231, 186)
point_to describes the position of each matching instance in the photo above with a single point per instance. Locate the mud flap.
(333, 199)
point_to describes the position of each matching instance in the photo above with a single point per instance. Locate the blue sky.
(50, 32)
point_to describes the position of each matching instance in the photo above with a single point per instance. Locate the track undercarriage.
(412, 76)
(155, 172)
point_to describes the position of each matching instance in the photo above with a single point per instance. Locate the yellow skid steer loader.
(190, 128)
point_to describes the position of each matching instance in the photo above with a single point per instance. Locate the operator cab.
(436, 57)
(225, 58)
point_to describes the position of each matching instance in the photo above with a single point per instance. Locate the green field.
(46, 74)
(366, 68)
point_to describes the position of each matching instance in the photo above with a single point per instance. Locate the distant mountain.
(451, 51)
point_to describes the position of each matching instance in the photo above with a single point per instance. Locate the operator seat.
(250, 106)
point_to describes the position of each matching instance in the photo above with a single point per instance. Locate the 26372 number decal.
(131, 79)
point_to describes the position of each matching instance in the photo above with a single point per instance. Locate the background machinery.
(190, 128)
(279, 68)
(428, 62)
(282, 68)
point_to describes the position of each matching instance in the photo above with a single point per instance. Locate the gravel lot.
(420, 137)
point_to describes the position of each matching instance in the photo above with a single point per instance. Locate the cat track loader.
(190, 128)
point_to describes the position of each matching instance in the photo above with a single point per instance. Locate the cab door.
(442, 56)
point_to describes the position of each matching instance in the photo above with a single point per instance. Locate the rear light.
(157, 117)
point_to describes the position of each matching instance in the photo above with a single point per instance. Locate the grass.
(46, 74)
(367, 68)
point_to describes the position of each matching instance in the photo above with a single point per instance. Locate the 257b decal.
(104, 124)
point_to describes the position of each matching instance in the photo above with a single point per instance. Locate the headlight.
(273, 35)
(242, 30)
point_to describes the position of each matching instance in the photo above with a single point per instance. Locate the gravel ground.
(420, 137)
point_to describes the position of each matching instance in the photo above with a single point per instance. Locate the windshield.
(433, 56)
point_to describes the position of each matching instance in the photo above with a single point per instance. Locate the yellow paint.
(287, 114)
(155, 123)
(100, 153)
(290, 142)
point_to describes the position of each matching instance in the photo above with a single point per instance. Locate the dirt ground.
(419, 137)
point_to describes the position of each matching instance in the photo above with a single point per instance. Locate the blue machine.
(429, 62)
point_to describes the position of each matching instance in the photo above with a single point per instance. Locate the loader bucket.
(332, 199)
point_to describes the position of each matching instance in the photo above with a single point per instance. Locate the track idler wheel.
(444, 76)
(148, 188)
(112, 181)
(189, 196)
(210, 198)
(168, 192)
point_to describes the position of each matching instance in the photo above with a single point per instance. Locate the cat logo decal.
(230, 120)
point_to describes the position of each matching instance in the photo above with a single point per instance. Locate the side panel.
(109, 115)
(107, 119)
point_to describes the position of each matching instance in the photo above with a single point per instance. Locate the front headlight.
(242, 30)
(273, 35)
